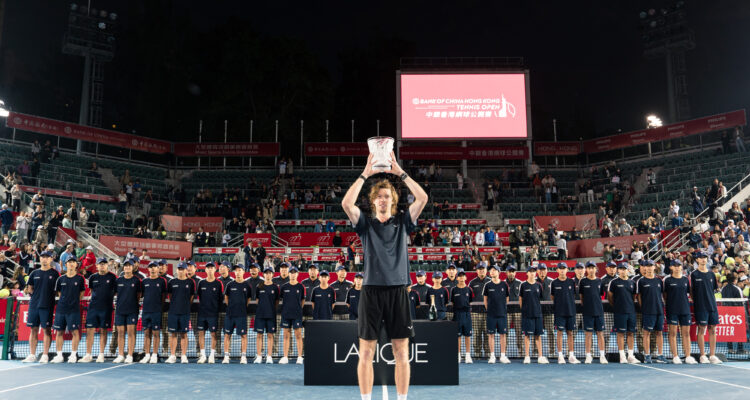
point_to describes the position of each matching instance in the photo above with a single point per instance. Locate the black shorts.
(384, 306)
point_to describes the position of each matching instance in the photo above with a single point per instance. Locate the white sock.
(366, 396)
(148, 355)
(203, 352)
(622, 353)
(502, 354)
(213, 352)
(492, 355)
(571, 354)
(601, 353)
(588, 354)
(560, 354)
(401, 397)
(630, 353)
(226, 354)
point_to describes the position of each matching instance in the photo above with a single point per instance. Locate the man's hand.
(368, 168)
(395, 168)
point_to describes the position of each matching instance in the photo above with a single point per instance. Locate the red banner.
(567, 222)
(182, 224)
(226, 149)
(322, 149)
(311, 206)
(48, 126)
(557, 148)
(463, 153)
(156, 248)
(307, 239)
(693, 127)
(593, 247)
(3, 307)
(454, 221)
(467, 206)
(307, 222)
(67, 193)
(262, 238)
(731, 326)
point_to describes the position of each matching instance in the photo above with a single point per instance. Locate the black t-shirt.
(352, 299)
(385, 249)
(267, 296)
(309, 285)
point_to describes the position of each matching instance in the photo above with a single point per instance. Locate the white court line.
(23, 366)
(689, 376)
(735, 367)
(63, 378)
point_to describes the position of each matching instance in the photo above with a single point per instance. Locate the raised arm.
(420, 196)
(348, 203)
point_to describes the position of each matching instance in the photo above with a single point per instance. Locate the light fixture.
(653, 121)
(4, 112)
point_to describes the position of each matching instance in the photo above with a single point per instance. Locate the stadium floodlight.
(653, 121)
(4, 112)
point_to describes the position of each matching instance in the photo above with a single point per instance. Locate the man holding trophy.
(384, 233)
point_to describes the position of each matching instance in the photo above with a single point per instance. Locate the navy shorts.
(99, 319)
(532, 326)
(151, 321)
(291, 323)
(624, 323)
(178, 322)
(204, 323)
(593, 323)
(703, 318)
(679, 319)
(265, 325)
(653, 322)
(39, 317)
(464, 322)
(235, 324)
(497, 325)
(565, 323)
(70, 322)
(126, 319)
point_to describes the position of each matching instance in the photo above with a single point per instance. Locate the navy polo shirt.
(153, 294)
(291, 297)
(180, 292)
(441, 297)
(70, 293)
(677, 292)
(43, 283)
(352, 299)
(323, 300)
(127, 295)
(531, 294)
(704, 285)
(237, 296)
(497, 298)
(461, 298)
(651, 295)
(102, 289)
(413, 302)
(622, 295)
(210, 296)
(267, 296)
(564, 293)
(590, 291)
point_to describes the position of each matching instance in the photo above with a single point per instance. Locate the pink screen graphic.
(463, 106)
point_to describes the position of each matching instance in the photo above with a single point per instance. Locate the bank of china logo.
(415, 100)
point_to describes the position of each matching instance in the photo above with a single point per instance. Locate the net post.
(8, 328)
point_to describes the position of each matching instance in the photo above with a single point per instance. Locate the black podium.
(332, 354)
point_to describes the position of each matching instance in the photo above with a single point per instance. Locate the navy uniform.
(414, 303)
(237, 295)
(497, 297)
(323, 300)
(181, 293)
(292, 297)
(210, 298)
(592, 309)
(309, 285)
(128, 292)
(622, 291)
(461, 298)
(652, 304)
(563, 293)
(154, 291)
(102, 289)
(352, 301)
(421, 312)
(548, 318)
(68, 311)
(341, 288)
(449, 284)
(42, 301)
(253, 282)
(479, 323)
(441, 297)
(265, 315)
(703, 285)
(514, 293)
(606, 279)
(531, 310)
(677, 293)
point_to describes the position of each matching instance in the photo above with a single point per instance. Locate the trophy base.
(381, 168)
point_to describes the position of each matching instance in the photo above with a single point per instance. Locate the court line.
(63, 378)
(23, 366)
(735, 367)
(693, 376)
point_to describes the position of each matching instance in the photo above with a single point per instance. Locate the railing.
(98, 247)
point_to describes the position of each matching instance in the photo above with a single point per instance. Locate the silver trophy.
(380, 148)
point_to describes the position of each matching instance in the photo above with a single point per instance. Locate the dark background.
(181, 61)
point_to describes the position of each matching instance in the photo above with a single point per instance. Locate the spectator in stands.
(562, 247)
(455, 237)
(24, 169)
(122, 201)
(23, 222)
(489, 237)
(9, 181)
(738, 140)
(190, 236)
(7, 219)
(330, 226)
(490, 198)
(479, 237)
(67, 222)
(282, 167)
(742, 247)
(677, 220)
(83, 217)
(225, 238)
(201, 238)
(460, 180)
(15, 194)
(88, 262)
(735, 213)
(651, 179)
(625, 228)
(36, 148)
(94, 171)
(41, 236)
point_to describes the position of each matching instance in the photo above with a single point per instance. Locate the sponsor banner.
(463, 153)
(435, 257)
(226, 149)
(182, 224)
(169, 249)
(681, 129)
(330, 250)
(552, 264)
(307, 239)
(307, 222)
(430, 249)
(454, 221)
(557, 148)
(311, 206)
(731, 326)
(322, 149)
(593, 247)
(517, 221)
(331, 346)
(67, 193)
(70, 130)
(567, 222)
(467, 206)
(263, 238)
(3, 307)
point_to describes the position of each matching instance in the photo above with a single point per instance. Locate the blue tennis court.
(479, 380)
